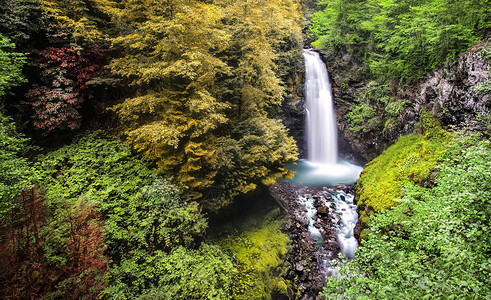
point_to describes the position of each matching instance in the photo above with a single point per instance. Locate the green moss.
(260, 255)
(411, 158)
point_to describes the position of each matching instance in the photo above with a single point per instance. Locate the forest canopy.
(400, 39)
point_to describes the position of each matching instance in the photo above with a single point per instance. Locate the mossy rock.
(411, 158)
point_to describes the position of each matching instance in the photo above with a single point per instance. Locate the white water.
(346, 210)
(343, 211)
(321, 127)
(322, 167)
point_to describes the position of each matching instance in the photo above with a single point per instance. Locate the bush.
(15, 171)
(259, 252)
(144, 216)
(205, 273)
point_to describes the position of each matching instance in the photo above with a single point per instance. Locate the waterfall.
(322, 167)
(321, 127)
(329, 206)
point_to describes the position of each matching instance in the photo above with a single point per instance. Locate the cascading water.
(343, 218)
(324, 168)
(321, 127)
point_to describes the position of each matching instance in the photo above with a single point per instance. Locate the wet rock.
(323, 211)
(305, 273)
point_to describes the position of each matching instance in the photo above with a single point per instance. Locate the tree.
(170, 57)
(402, 39)
(87, 263)
(77, 20)
(23, 270)
(65, 73)
(15, 171)
(184, 114)
(21, 21)
(10, 66)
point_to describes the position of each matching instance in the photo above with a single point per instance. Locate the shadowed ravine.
(319, 197)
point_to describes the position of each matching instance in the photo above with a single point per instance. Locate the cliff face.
(448, 93)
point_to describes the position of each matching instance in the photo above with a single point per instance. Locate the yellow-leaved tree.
(206, 84)
(208, 89)
(262, 32)
(80, 20)
(170, 53)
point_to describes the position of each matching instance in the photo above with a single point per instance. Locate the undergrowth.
(260, 253)
(435, 243)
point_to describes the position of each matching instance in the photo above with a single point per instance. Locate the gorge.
(148, 149)
(320, 197)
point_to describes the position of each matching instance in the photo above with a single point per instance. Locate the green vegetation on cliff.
(410, 159)
(435, 243)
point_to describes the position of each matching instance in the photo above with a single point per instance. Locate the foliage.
(205, 273)
(65, 73)
(175, 53)
(260, 252)
(485, 87)
(23, 271)
(258, 156)
(21, 21)
(15, 171)
(10, 66)
(27, 273)
(411, 158)
(435, 243)
(144, 217)
(174, 122)
(261, 31)
(75, 19)
(375, 111)
(197, 70)
(87, 263)
(337, 24)
(401, 39)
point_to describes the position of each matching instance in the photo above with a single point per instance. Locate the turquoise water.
(314, 174)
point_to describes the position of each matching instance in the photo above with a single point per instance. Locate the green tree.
(402, 39)
(15, 171)
(10, 66)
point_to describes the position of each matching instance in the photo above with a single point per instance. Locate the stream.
(339, 206)
(321, 196)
